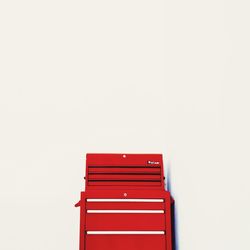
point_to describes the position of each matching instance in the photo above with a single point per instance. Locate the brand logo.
(153, 162)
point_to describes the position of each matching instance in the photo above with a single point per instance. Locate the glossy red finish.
(124, 178)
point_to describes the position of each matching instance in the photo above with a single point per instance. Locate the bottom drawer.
(125, 242)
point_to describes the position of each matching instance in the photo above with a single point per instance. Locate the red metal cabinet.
(125, 204)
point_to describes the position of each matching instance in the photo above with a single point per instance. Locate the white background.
(133, 76)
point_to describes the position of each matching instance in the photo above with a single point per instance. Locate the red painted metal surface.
(125, 204)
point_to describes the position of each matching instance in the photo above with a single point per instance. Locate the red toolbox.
(125, 205)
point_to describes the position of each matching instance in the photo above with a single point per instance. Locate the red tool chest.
(125, 205)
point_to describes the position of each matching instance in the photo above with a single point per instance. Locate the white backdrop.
(137, 76)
